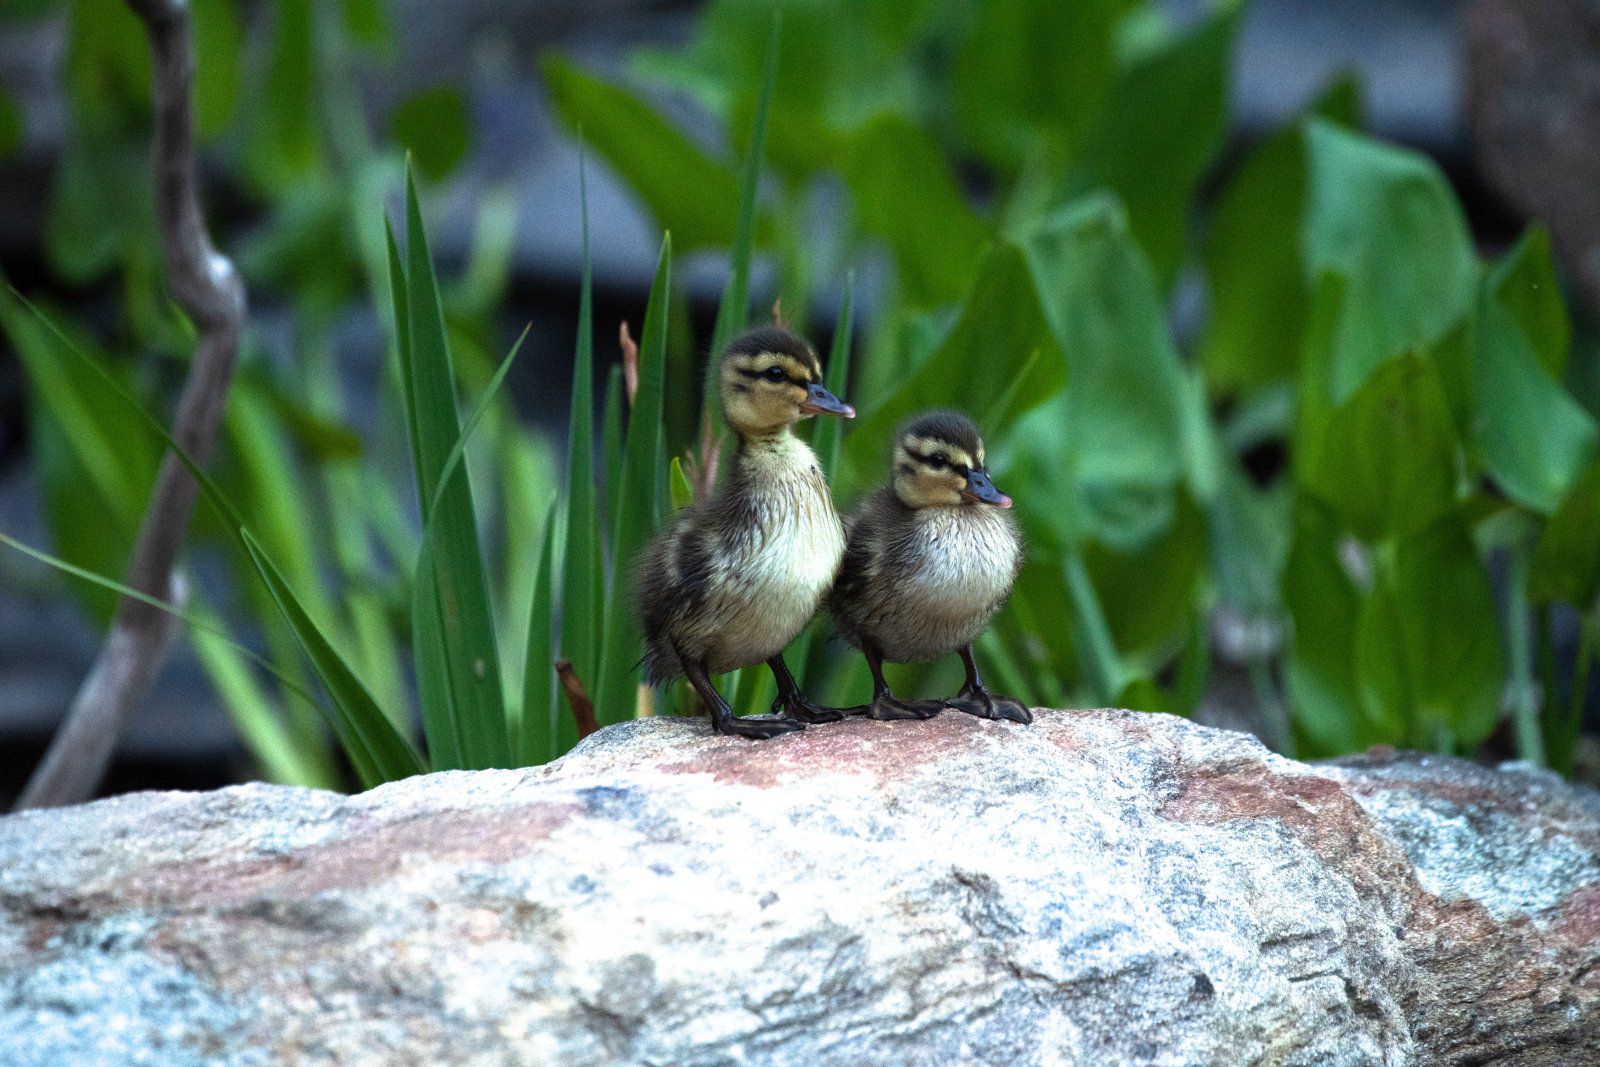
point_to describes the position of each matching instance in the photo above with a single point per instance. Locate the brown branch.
(205, 284)
(577, 699)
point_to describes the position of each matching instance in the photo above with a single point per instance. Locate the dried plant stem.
(206, 285)
(577, 698)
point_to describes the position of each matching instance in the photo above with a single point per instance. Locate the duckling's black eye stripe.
(761, 375)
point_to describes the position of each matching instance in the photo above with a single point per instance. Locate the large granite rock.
(1102, 887)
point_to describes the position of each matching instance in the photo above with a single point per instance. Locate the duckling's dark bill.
(980, 488)
(821, 402)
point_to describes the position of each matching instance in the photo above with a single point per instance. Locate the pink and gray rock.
(1102, 887)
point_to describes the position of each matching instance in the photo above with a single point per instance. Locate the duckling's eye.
(775, 373)
(938, 461)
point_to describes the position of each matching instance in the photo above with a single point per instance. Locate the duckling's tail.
(660, 663)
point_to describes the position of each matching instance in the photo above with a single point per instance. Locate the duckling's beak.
(821, 402)
(980, 488)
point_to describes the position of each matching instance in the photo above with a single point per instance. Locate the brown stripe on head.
(757, 349)
(948, 432)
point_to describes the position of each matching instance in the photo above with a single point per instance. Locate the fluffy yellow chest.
(782, 557)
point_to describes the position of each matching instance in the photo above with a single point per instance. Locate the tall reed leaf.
(734, 311)
(379, 753)
(536, 735)
(581, 587)
(372, 738)
(458, 671)
(636, 502)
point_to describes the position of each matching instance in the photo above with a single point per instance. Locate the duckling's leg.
(975, 698)
(723, 720)
(792, 703)
(885, 705)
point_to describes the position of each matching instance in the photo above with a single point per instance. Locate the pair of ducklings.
(925, 564)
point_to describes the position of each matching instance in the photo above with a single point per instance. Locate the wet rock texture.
(1102, 887)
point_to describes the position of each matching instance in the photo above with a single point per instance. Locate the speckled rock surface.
(1102, 887)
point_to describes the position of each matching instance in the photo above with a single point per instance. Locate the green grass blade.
(678, 487)
(396, 757)
(471, 425)
(536, 739)
(462, 650)
(611, 447)
(734, 311)
(402, 337)
(830, 432)
(581, 587)
(637, 504)
(380, 752)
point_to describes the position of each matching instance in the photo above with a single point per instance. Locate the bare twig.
(630, 362)
(577, 698)
(205, 284)
(777, 312)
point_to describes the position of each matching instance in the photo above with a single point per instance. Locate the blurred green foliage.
(1313, 489)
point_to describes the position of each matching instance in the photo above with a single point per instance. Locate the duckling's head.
(938, 463)
(771, 380)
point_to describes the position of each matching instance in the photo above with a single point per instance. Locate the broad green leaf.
(1030, 77)
(379, 753)
(1323, 603)
(465, 652)
(1536, 439)
(1148, 592)
(1386, 219)
(905, 193)
(840, 61)
(978, 367)
(1566, 558)
(1386, 458)
(658, 162)
(1251, 252)
(637, 504)
(1123, 413)
(435, 126)
(1163, 123)
(582, 588)
(1525, 282)
(1428, 651)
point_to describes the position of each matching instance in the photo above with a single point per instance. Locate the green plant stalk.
(1588, 649)
(1091, 635)
(582, 591)
(637, 503)
(734, 310)
(1519, 636)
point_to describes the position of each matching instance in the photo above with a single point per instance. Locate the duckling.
(929, 560)
(735, 578)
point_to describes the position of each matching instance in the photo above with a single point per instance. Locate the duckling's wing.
(674, 574)
(867, 532)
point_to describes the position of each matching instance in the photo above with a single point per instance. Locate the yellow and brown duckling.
(735, 578)
(930, 558)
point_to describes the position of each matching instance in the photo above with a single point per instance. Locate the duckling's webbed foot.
(723, 720)
(888, 708)
(975, 698)
(792, 703)
(986, 705)
(802, 710)
(757, 727)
